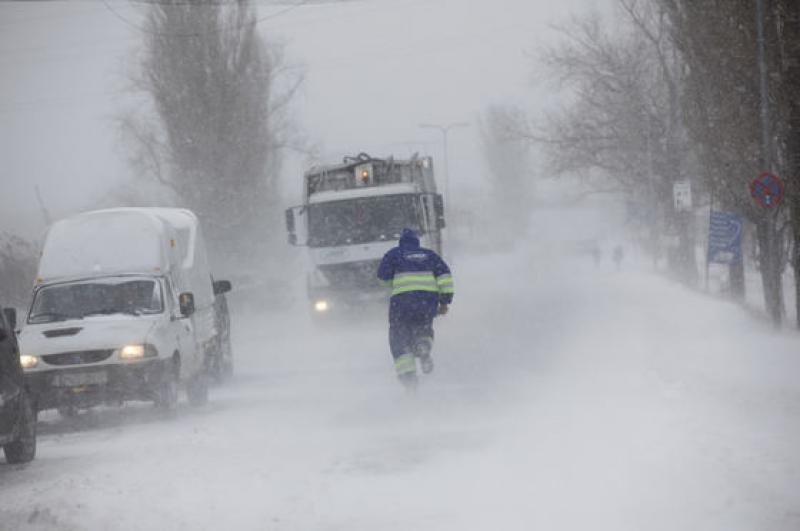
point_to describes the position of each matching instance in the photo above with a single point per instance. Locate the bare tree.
(788, 18)
(219, 118)
(18, 262)
(623, 121)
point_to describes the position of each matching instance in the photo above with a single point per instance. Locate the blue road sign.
(724, 238)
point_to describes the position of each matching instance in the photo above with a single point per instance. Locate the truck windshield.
(362, 220)
(76, 300)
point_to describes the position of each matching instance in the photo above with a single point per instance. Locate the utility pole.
(790, 87)
(444, 129)
(48, 220)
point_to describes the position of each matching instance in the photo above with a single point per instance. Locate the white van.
(122, 310)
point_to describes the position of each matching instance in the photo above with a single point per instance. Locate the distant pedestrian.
(619, 254)
(597, 255)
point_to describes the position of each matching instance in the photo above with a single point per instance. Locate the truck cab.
(352, 214)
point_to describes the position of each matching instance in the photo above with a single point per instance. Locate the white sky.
(374, 70)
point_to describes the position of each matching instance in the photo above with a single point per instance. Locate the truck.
(352, 214)
(122, 309)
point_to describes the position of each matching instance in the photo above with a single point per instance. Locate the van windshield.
(76, 300)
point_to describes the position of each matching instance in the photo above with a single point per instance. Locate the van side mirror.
(11, 318)
(222, 286)
(186, 301)
(438, 205)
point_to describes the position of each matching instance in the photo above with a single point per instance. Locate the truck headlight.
(321, 306)
(28, 362)
(136, 352)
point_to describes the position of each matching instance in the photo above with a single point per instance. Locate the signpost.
(682, 194)
(724, 238)
(767, 189)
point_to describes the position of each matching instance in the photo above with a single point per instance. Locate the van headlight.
(321, 306)
(137, 352)
(28, 362)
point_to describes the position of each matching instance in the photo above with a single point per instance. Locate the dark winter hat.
(408, 236)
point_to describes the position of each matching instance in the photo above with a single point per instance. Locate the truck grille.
(77, 358)
(361, 274)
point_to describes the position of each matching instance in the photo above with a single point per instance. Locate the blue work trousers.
(408, 334)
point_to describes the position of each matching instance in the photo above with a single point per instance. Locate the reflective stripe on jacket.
(414, 281)
(416, 273)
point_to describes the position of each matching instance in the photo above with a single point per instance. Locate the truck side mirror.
(11, 318)
(438, 205)
(222, 286)
(291, 224)
(290, 219)
(186, 301)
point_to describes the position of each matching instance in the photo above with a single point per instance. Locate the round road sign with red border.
(767, 190)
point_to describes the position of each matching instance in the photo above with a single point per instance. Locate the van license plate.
(77, 379)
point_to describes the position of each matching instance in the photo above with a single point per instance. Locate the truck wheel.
(68, 412)
(197, 390)
(23, 449)
(167, 392)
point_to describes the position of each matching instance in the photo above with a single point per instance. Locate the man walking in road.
(422, 287)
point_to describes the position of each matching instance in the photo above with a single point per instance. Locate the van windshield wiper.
(110, 311)
(50, 317)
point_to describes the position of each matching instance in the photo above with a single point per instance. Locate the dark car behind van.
(17, 412)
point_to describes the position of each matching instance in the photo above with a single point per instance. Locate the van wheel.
(167, 392)
(227, 368)
(23, 449)
(214, 366)
(220, 366)
(197, 390)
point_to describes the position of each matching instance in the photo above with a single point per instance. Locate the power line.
(142, 29)
(48, 49)
(21, 20)
(41, 103)
(228, 2)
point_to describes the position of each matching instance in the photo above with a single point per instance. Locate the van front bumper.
(96, 385)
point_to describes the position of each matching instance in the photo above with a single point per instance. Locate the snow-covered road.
(564, 398)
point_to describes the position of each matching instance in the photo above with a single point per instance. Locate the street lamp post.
(444, 129)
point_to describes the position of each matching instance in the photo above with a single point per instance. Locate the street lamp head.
(444, 127)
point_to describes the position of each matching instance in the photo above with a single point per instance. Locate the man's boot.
(423, 352)
(406, 367)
